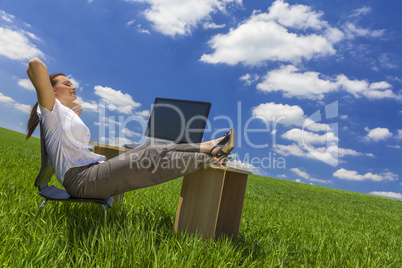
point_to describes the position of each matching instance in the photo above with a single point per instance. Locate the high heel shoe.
(222, 160)
(225, 146)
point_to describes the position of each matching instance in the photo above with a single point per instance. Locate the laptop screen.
(181, 121)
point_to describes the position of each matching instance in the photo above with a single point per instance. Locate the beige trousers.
(149, 164)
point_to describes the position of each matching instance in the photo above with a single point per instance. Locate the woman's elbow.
(35, 64)
(34, 61)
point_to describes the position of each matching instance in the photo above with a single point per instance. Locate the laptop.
(180, 121)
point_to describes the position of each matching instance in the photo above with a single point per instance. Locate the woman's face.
(64, 90)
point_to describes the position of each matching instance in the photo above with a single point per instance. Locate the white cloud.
(286, 115)
(380, 85)
(119, 141)
(353, 175)
(249, 78)
(352, 30)
(142, 30)
(178, 17)
(300, 173)
(211, 25)
(15, 44)
(7, 17)
(91, 106)
(376, 90)
(399, 136)
(306, 176)
(243, 165)
(394, 146)
(285, 33)
(296, 16)
(289, 115)
(377, 134)
(296, 84)
(124, 102)
(386, 62)
(313, 85)
(345, 152)
(360, 11)
(306, 137)
(31, 35)
(387, 194)
(130, 133)
(26, 83)
(144, 113)
(334, 35)
(292, 149)
(330, 155)
(341, 152)
(322, 154)
(22, 107)
(268, 37)
(5, 99)
(107, 121)
(139, 27)
(130, 22)
(377, 94)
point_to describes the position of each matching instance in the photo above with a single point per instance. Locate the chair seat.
(57, 194)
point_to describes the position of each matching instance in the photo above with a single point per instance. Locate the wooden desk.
(108, 150)
(211, 201)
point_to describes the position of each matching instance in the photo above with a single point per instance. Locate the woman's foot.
(221, 146)
(220, 161)
(207, 146)
(225, 146)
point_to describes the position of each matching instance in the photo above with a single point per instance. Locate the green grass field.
(284, 224)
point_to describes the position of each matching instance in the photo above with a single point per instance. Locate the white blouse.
(66, 139)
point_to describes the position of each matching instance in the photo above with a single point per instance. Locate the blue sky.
(313, 88)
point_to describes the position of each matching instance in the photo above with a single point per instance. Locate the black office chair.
(51, 192)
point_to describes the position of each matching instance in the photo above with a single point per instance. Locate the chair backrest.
(46, 169)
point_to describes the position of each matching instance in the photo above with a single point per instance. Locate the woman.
(85, 174)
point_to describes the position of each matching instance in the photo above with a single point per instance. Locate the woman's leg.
(149, 164)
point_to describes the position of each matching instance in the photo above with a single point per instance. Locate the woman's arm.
(39, 76)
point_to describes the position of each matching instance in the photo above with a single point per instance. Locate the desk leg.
(231, 204)
(199, 202)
